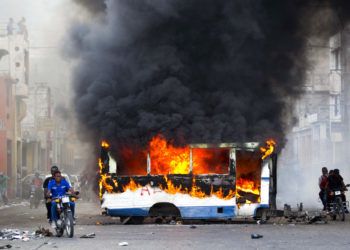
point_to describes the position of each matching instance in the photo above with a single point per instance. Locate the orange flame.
(167, 159)
(105, 144)
(268, 149)
(196, 191)
(103, 180)
(247, 186)
(170, 188)
(132, 186)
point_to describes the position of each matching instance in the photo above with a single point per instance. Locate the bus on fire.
(198, 181)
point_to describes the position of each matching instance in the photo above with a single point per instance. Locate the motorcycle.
(35, 196)
(338, 207)
(66, 220)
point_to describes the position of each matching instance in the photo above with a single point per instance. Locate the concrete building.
(14, 76)
(321, 135)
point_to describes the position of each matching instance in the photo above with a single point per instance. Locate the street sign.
(46, 124)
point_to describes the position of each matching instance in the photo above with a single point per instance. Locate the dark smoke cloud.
(194, 70)
(94, 6)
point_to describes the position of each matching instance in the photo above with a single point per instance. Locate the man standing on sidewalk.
(322, 183)
(3, 187)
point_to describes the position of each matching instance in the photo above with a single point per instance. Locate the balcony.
(330, 82)
(21, 90)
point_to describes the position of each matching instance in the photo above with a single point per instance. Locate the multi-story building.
(321, 135)
(14, 76)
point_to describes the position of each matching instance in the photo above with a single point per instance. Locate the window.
(335, 59)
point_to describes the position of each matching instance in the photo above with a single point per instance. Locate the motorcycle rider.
(322, 183)
(335, 182)
(37, 181)
(58, 187)
(47, 198)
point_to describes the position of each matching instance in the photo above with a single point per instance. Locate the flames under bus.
(223, 181)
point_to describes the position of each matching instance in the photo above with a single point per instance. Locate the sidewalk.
(13, 203)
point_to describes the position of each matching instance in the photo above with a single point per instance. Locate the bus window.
(132, 161)
(210, 160)
(248, 176)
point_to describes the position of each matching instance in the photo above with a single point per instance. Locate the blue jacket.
(58, 189)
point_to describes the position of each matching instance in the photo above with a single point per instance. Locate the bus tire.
(164, 209)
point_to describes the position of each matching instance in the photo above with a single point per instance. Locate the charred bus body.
(200, 181)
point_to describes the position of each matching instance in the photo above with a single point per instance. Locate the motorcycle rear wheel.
(341, 210)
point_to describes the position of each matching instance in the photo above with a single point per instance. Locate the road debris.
(6, 246)
(44, 232)
(124, 243)
(302, 216)
(88, 236)
(256, 236)
(193, 226)
(16, 234)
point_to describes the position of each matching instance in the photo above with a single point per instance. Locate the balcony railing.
(329, 82)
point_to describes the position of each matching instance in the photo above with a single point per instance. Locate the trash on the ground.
(124, 243)
(16, 234)
(98, 223)
(43, 231)
(172, 222)
(88, 236)
(193, 226)
(259, 222)
(6, 246)
(256, 236)
(302, 216)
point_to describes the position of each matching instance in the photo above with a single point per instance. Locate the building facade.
(321, 135)
(14, 77)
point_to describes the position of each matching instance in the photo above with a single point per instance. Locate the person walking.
(3, 187)
(322, 183)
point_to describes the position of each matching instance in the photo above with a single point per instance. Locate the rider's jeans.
(54, 214)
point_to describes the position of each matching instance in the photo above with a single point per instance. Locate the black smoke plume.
(194, 71)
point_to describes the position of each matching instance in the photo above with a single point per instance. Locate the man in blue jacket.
(58, 187)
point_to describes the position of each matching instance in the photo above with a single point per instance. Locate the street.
(277, 234)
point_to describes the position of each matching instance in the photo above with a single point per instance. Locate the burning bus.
(197, 181)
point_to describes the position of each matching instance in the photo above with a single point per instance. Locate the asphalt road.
(277, 234)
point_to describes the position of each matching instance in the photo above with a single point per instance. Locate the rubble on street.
(16, 234)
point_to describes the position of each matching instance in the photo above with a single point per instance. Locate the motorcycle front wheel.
(69, 224)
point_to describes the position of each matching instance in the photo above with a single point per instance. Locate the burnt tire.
(132, 220)
(137, 220)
